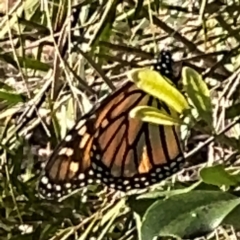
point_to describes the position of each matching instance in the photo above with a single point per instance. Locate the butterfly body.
(107, 146)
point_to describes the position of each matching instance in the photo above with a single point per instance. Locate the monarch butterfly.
(108, 146)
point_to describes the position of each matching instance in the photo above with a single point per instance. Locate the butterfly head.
(166, 66)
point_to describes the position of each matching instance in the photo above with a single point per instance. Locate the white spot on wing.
(97, 156)
(173, 164)
(69, 152)
(68, 138)
(82, 184)
(126, 182)
(58, 188)
(99, 175)
(66, 151)
(44, 180)
(94, 166)
(81, 176)
(160, 176)
(105, 180)
(82, 130)
(68, 185)
(90, 181)
(80, 124)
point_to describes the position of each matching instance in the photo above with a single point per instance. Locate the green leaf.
(233, 111)
(154, 115)
(198, 92)
(187, 215)
(218, 176)
(6, 87)
(9, 59)
(11, 97)
(168, 193)
(156, 85)
(25, 62)
(33, 64)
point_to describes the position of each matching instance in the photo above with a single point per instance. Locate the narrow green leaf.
(198, 92)
(218, 176)
(154, 115)
(156, 85)
(6, 87)
(188, 215)
(9, 59)
(34, 64)
(25, 62)
(232, 141)
(233, 111)
(168, 193)
(11, 97)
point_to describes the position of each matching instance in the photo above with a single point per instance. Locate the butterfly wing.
(69, 167)
(128, 153)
